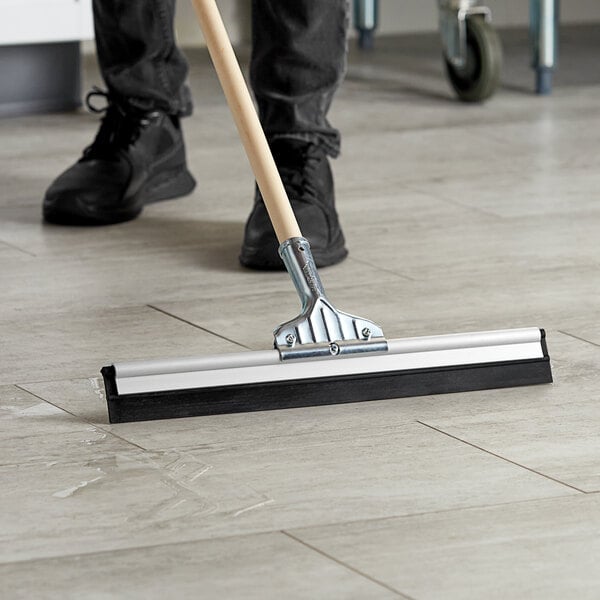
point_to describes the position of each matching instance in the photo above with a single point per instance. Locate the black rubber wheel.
(478, 79)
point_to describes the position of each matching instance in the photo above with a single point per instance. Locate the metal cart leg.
(366, 15)
(472, 49)
(544, 40)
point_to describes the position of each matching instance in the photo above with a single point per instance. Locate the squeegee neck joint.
(298, 260)
(320, 330)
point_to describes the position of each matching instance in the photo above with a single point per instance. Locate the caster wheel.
(479, 77)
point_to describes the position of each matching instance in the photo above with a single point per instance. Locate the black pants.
(298, 61)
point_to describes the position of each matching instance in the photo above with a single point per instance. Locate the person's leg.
(298, 61)
(139, 59)
(138, 155)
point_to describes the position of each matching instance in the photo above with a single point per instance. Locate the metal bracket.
(320, 329)
(453, 27)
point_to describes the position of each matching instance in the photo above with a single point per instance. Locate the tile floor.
(458, 218)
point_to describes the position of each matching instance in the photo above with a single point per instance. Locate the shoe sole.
(166, 185)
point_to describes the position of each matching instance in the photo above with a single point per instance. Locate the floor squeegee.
(323, 356)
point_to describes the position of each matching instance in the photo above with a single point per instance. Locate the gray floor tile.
(492, 252)
(585, 329)
(107, 494)
(84, 398)
(10, 254)
(51, 345)
(114, 496)
(48, 284)
(32, 430)
(558, 439)
(252, 567)
(457, 217)
(405, 308)
(528, 193)
(543, 549)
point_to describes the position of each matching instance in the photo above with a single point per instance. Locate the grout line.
(168, 314)
(110, 432)
(512, 462)
(380, 268)
(20, 387)
(447, 200)
(18, 248)
(473, 209)
(578, 338)
(440, 511)
(271, 531)
(347, 566)
(79, 418)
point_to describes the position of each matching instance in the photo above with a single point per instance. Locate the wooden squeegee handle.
(245, 117)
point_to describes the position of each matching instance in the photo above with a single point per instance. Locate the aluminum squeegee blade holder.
(260, 380)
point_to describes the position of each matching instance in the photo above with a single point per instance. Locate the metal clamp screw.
(290, 339)
(366, 333)
(334, 349)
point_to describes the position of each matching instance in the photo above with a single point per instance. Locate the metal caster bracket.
(453, 27)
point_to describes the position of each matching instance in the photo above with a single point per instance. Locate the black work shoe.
(136, 158)
(307, 178)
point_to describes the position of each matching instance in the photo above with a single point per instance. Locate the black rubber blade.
(171, 404)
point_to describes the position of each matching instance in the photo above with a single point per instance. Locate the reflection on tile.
(84, 398)
(541, 549)
(372, 472)
(95, 500)
(249, 568)
(72, 487)
(31, 430)
(115, 497)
